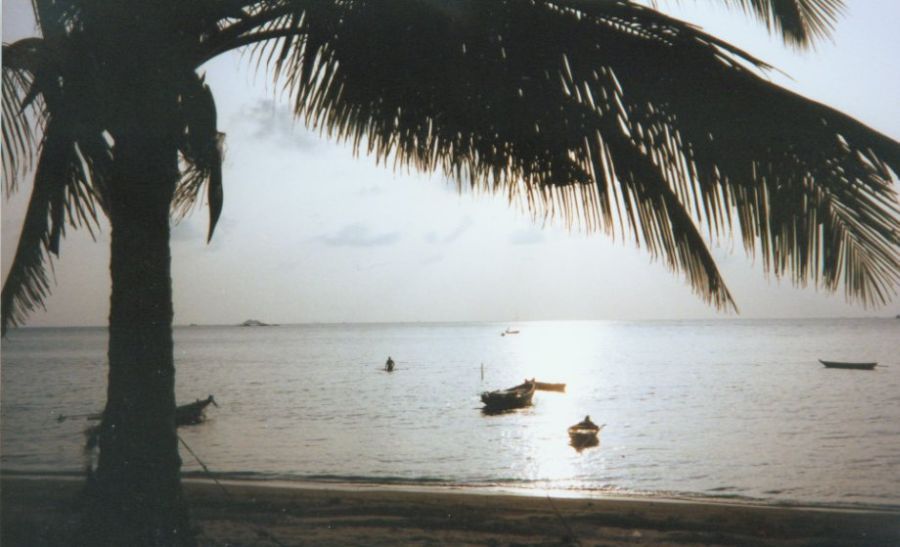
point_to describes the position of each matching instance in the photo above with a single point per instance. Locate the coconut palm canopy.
(604, 113)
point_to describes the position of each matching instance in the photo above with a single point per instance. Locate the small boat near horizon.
(500, 400)
(846, 365)
(509, 331)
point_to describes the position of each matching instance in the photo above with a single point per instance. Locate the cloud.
(436, 239)
(273, 121)
(357, 235)
(527, 236)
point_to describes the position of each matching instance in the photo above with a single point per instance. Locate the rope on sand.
(259, 531)
(572, 535)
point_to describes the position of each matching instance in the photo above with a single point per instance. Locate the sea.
(727, 409)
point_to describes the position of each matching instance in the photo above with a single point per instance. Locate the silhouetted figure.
(587, 424)
(389, 364)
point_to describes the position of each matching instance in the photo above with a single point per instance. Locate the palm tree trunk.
(137, 497)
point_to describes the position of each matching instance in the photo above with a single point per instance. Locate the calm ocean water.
(738, 409)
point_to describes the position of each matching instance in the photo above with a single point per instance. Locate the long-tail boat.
(508, 399)
(193, 413)
(852, 366)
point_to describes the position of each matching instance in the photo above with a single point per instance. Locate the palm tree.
(599, 112)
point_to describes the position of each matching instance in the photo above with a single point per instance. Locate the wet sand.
(44, 511)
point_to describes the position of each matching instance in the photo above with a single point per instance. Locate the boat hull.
(850, 366)
(508, 399)
(581, 438)
(546, 386)
(193, 413)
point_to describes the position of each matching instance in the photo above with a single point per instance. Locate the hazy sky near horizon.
(310, 233)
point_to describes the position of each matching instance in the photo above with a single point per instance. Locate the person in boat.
(389, 364)
(586, 423)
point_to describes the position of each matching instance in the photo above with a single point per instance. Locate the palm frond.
(68, 187)
(799, 22)
(201, 151)
(28, 283)
(597, 112)
(62, 194)
(20, 111)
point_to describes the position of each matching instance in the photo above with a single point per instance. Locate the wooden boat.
(852, 366)
(508, 399)
(193, 413)
(546, 386)
(585, 428)
(189, 414)
(584, 434)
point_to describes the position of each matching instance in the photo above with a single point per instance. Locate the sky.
(312, 233)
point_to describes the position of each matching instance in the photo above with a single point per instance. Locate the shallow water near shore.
(736, 409)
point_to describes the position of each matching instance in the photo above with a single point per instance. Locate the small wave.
(780, 491)
(324, 478)
(74, 473)
(521, 486)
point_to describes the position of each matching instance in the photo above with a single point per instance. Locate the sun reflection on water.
(560, 352)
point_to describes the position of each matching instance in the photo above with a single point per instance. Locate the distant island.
(255, 323)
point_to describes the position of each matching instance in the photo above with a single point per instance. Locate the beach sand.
(44, 511)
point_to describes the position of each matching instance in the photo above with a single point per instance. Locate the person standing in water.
(389, 364)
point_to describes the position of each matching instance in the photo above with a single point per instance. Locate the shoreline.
(437, 486)
(43, 510)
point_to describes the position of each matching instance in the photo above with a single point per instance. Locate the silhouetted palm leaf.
(61, 194)
(202, 152)
(18, 113)
(600, 113)
(798, 21)
(68, 180)
(605, 114)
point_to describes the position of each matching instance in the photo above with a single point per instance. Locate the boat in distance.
(508, 399)
(187, 414)
(584, 434)
(852, 366)
(193, 413)
(585, 428)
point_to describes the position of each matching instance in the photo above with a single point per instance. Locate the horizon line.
(486, 321)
